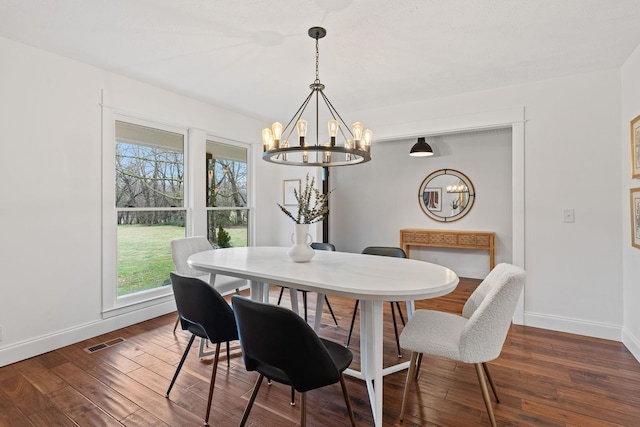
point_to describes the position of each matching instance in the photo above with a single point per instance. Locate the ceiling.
(255, 56)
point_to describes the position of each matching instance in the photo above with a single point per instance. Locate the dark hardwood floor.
(544, 378)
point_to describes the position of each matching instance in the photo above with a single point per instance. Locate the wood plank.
(111, 402)
(80, 409)
(144, 397)
(10, 414)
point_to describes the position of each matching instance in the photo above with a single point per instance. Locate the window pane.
(144, 252)
(149, 167)
(226, 175)
(233, 223)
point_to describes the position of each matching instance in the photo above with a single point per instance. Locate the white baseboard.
(632, 343)
(574, 326)
(45, 343)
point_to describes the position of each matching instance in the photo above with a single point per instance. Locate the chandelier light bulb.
(357, 131)
(348, 144)
(276, 129)
(367, 136)
(333, 131)
(333, 127)
(267, 138)
(302, 131)
(327, 154)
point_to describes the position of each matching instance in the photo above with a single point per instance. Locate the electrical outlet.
(568, 215)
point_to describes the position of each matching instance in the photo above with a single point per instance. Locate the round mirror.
(446, 195)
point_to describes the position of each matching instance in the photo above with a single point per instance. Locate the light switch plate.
(568, 215)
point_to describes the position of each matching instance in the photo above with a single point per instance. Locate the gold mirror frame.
(446, 200)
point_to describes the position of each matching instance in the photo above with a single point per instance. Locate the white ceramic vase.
(301, 251)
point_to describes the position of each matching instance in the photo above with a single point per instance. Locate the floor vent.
(103, 345)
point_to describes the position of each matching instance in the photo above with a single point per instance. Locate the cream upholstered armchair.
(181, 250)
(477, 336)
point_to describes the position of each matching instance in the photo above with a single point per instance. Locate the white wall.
(630, 254)
(50, 177)
(572, 160)
(387, 199)
(274, 228)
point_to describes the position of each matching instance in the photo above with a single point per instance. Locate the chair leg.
(418, 363)
(345, 393)
(213, 381)
(395, 329)
(293, 396)
(353, 319)
(303, 409)
(228, 355)
(280, 296)
(175, 325)
(405, 396)
(326, 300)
(304, 304)
(493, 386)
(254, 393)
(485, 393)
(400, 311)
(184, 356)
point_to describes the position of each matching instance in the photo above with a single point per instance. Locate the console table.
(480, 240)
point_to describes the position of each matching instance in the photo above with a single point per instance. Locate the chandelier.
(337, 149)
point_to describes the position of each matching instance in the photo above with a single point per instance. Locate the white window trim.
(200, 209)
(111, 304)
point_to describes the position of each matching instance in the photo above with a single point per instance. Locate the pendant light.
(421, 149)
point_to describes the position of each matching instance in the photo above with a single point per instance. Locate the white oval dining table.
(371, 279)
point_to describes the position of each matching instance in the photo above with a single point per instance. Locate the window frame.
(112, 305)
(249, 172)
(160, 300)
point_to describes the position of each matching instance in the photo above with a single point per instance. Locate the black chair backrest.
(320, 246)
(385, 251)
(280, 338)
(202, 309)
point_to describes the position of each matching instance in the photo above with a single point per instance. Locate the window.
(144, 208)
(161, 183)
(226, 187)
(149, 172)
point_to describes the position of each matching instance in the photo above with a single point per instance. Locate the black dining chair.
(390, 252)
(205, 314)
(280, 345)
(318, 246)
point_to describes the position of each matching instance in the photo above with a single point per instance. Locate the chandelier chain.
(317, 62)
